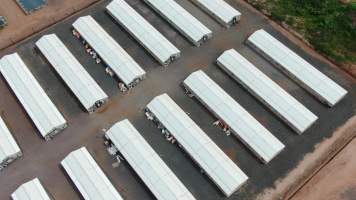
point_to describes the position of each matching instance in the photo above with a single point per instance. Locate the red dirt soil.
(21, 25)
(336, 181)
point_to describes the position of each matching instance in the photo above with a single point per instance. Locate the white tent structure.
(33, 98)
(151, 39)
(125, 68)
(87, 176)
(268, 92)
(219, 167)
(72, 72)
(221, 11)
(182, 20)
(162, 182)
(321, 86)
(243, 125)
(9, 149)
(31, 190)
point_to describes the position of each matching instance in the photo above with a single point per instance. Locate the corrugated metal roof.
(219, 167)
(182, 20)
(243, 125)
(267, 91)
(154, 42)
(297, 68)
(72, 72)
(87, 176)
(9, 149)
(220, 10)
(109, 50)
(32, 190)
(33, 98)
(147, 164)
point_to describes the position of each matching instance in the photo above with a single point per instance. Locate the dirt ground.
(21, 25)
(41, 159)
(294, 184)
(336, 181)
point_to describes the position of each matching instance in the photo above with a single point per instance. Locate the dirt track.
(336, 181)
(340, 171)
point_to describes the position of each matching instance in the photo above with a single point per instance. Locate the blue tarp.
(30, 6)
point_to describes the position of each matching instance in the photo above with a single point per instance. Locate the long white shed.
(9, 149)
(44, 114)
(285, 106)
(219, 167)
(87, 91)
(137, 26)
(221, 11)
(298, 69)
(87, 176)
(123, 65)
(152, 170)
(242, 124)
(31, 190)
(182, 20)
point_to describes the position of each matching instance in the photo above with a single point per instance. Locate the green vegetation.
(328, 25)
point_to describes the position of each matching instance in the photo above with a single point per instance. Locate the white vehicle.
(44, 114)
(182, 20)
(218, 167)
(87, 176)
(157, 176)
(242, 124)
(114, 56)
(151, 39)
(72, 72)
(268, 92)
(321, 86)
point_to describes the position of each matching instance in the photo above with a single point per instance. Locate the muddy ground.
(41, 159)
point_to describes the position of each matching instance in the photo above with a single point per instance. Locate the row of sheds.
(43, 112)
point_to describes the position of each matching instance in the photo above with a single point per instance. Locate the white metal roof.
(143, 32)
(72, 72)
(31, 190)
(9, 149)
(267, 91)
(109, 50)
(220, 10)
(182, 20)
(147, 164)
(297, 68)
(243, 125)
(87, 176)
(219, 167)
(33, 98)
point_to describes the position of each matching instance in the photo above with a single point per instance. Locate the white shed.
(44, 114)
(151, 39)
(182, 20)
(242, 124)
(298, 69)
(125, 68)
(157, 176)
(87, 91)
(215, 163)
(31, 190)
(9, 149)
(267, 91)
(221, 11)
(87, 176)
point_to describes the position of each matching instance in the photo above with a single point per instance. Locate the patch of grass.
(328, 25)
